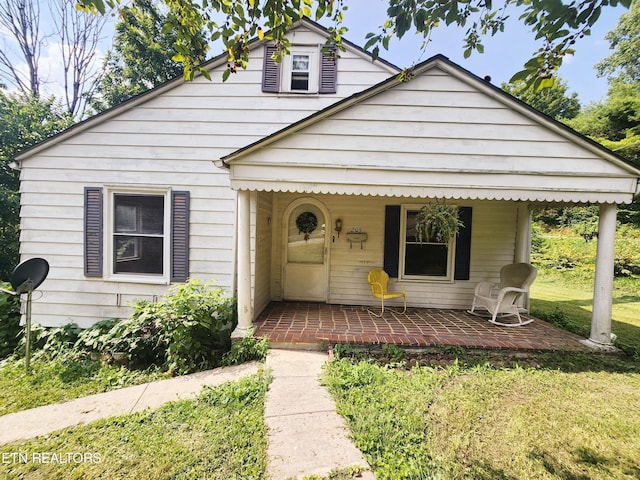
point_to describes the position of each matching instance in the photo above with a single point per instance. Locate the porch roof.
(447, 134)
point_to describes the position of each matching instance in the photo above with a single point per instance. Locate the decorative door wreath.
(306, 222)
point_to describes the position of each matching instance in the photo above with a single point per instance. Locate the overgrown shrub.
(539, 244)
(96, 338)
(627, 258)
(9, 323)
(567, 253)
(52, 342)
(245, 350)
(186, 330)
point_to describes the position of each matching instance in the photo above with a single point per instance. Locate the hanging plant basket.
(306, 222)
(437, 222)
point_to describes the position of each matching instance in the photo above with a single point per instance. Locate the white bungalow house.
(291, 182)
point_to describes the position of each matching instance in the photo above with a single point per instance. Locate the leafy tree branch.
(558, 24)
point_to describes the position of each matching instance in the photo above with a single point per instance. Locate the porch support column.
(523, 234)
(523, 246)
(600, 336)
(245, 316)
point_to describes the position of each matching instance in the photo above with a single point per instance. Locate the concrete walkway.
(305, 434)
(42, 420)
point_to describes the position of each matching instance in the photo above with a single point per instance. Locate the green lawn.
(566, 267)
(220, 435)
(547, 416)
(61, 379)
(553, 291)
(483, 422)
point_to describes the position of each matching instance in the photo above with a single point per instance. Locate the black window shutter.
(93, 235)
(270, 71)
(391, 239)
(179, 236)
(463, 245)
(328, 70)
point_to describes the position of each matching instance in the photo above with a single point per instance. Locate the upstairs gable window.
(307, 69)
(300, 70)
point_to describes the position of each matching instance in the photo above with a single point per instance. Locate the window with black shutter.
(406, 257)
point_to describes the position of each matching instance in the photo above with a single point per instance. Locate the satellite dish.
(29, 275)
(25, 278)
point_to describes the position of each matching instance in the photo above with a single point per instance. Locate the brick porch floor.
(306, 324)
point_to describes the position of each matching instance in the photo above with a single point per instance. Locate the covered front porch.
(366, 164)
(314, 325)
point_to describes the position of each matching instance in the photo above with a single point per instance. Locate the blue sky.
(504, 54)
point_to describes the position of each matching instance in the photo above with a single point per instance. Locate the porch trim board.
(388, 183)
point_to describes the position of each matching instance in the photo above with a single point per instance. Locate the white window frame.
(314, 69)
(451, 249)
(109, 228)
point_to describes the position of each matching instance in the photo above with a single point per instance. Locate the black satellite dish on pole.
(26, 277)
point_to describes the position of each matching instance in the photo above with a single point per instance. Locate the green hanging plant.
(306, 222)
(437, 222)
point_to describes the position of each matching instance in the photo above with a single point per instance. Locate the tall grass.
(61, 379)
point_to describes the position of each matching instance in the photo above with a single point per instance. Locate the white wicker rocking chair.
(502, 299)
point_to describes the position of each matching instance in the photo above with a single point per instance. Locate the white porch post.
(523, 234)
(245, 316)
(523, 246)
(600, 335)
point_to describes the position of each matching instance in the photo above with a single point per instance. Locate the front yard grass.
(219, 435)
(563, 290)
(62, 379)
(477, 421)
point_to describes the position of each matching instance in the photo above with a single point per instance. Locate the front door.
(305, 252)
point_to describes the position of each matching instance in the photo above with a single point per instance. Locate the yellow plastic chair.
(379, 280)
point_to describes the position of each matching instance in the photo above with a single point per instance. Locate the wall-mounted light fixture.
(338, 226)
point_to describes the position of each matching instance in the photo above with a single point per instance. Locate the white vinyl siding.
(492, 246)
(263, 248)
(167, 141)
(441, 135)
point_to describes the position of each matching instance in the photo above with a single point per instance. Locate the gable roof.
(535, 159)
(458, 71)
(210, 64)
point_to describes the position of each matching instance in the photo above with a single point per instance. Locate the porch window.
(404, 257)
(426, 260)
